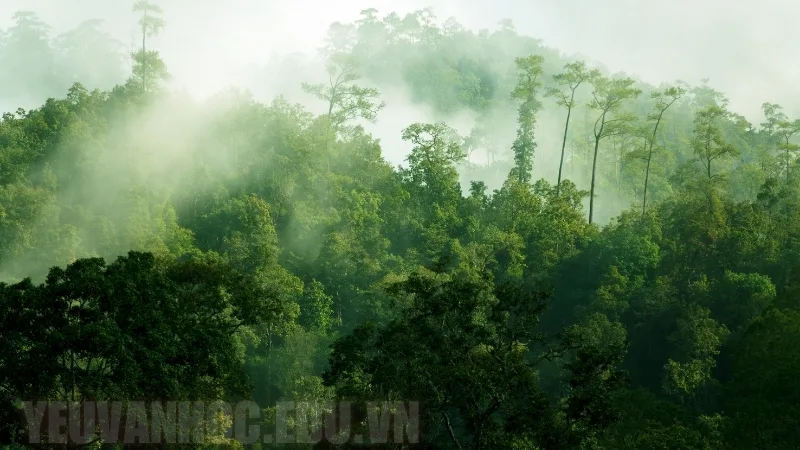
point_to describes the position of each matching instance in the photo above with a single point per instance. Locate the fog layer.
(745, 48)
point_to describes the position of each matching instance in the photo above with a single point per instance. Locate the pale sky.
(746, 48)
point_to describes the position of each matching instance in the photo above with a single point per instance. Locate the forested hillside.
(599, 264)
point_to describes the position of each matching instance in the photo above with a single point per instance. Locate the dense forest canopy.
(592, 262)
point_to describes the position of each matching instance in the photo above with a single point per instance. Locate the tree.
(774, 116)
(432, 181)
(431, 163)
(707, 142)
(664, 99)
(786, 130)
(762, 395)
(28, 61)
(151, 24)
(697, 341)
(608, 98)
(435, 294)
(526, 90)
(346, 100)
(470, 353)
(435, 144)
(340, 39)
(568, 81)
(90, 56)
(139, 328)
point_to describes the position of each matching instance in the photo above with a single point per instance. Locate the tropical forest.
(593, 262)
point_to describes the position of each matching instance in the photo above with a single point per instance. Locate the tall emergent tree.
(708, 143)
(148, 65)
(664, 99)
(786, 130)
(526, 90)
(609, 95)
(27, 59)
(568, 82)
(773, 113)
(431, 163)
(346, 100)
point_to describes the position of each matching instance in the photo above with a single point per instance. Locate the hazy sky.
(746, 48)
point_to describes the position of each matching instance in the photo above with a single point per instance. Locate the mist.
(746, 49)
(268, 49)
(545, 224)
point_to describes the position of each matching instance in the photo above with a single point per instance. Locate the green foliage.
(526, 90)
(149, 70)
(708, 143)
(760, 397)
(575, 74)
(139, 328)
(275, 255)
(346, 101)
(608, 97)
(471, 350)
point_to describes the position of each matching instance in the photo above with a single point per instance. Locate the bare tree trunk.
(563, 146)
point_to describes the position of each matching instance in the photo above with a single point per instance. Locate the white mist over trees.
(567, 257)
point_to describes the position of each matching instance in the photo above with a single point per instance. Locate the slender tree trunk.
(787, 160)
(597, 137)
(650, 153)
(709, 158)
(144, 48)
(647, 174)
(646, 179)
(328, 130)
(564, 145)
(650, 158)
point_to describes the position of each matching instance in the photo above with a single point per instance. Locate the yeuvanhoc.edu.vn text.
(184, 422)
